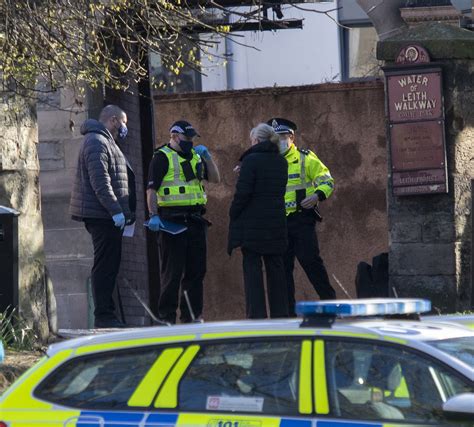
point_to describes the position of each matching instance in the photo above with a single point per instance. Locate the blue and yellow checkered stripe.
(139, 419)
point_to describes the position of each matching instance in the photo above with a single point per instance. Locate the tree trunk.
(19, 189)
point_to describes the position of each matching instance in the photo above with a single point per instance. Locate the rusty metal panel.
(415, 96)
(417, 146)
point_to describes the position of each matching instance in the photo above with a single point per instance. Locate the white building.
(281, 58)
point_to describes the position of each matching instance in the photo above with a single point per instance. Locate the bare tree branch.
(96, 43)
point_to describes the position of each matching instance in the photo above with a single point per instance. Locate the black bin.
(8, 258)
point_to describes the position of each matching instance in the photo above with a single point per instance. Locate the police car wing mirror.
(460, 408)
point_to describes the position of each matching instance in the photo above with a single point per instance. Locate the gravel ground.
(14, 365)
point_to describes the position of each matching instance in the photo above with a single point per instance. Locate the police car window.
(259, 377)
(102, 381)
(461, 348)
(377, 382)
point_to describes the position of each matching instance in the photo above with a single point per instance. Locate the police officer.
(309, 182)
(175, 193)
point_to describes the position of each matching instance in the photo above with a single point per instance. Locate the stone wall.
(19, 189)
(67, 244)
(430, 235)
(343, 124)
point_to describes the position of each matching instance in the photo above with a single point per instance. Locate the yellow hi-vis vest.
(175, 190)
(306, 174)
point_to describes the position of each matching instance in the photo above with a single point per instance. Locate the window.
(461, 348)
(243, 377)
(360, 59)
(376, 382)
(163, 80)
(102, 381)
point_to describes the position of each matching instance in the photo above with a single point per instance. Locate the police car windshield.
(460, 348)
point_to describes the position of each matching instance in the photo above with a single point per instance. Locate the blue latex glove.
(119, 220)
(154, 224)
(2, 352)
(203, 152)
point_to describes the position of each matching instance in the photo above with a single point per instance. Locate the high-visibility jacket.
(306, 175)
(181, 186)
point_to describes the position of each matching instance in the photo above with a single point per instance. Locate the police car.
(360, 363)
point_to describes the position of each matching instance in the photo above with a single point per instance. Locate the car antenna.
(147, 309)
(342, 287)
(190, 308)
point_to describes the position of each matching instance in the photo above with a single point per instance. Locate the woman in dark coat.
(258, 223)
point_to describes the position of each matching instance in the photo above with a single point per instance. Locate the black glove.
(321, 195)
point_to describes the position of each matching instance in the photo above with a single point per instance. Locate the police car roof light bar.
(325, 312)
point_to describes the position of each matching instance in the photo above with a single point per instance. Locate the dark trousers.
(254, 288)
(303, 244)
(182, 264)
(107, 241)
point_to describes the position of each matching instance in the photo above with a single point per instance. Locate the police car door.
(381, 384)
(247, 382)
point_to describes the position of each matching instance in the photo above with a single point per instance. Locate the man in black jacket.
(103, 197)
(258, 223)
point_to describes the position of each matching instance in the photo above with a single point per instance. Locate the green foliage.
(97, 43)
(15, 333)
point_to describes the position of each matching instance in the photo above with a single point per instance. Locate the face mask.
(122, 131)
(284, 144)
(186, 146)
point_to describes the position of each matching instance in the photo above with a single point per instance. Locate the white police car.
(345, 364)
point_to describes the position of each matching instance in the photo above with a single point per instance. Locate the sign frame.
(415, 176)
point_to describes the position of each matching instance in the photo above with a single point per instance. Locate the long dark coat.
(257, 214)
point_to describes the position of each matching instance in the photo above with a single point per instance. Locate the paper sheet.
(129, 230)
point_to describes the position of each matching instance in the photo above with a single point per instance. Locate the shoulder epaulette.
(304, 151)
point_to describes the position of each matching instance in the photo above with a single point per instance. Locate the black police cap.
(282, 125)
(184, 128)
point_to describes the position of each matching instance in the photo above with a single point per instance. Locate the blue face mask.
(122, 131)
(186, 146)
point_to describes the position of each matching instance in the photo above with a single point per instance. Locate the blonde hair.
(263, 132)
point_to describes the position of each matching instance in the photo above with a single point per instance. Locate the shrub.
(15, 333)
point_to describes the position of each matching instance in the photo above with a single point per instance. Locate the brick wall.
(343, 124)
(345, 127)
(134, 268)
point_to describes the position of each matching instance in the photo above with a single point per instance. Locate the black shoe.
(108, 324)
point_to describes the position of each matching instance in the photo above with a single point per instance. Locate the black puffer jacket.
(101, 186)
(257, 214)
